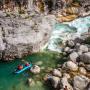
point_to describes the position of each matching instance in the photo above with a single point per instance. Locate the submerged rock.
(30, 82)
(35, 69)
(80, 82)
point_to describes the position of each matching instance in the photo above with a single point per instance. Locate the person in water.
(20, 67)
(27, 64)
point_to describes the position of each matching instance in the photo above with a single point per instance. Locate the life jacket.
(20, 67)
(27, 64)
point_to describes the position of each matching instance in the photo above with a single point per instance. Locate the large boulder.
(56, 72)
(80, 82)
(85, 57)
(73, 56)
(54, 81)
(70, 65)
(35, 69)
(83, 48)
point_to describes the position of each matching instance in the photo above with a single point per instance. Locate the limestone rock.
(87, 67)
(64, 83)
(54, 81)
(66, 75)
(35, 69)
(73, 56)
(71, 66)
(70, 43)
(85, 57)
(82, 70)
(30, 82)
(56, 72)
(67, 49)
(80, 82)
(83, 48)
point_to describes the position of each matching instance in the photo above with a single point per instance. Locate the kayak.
(25, 68)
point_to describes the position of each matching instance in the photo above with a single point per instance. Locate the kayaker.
(27, 64)
(20, 67)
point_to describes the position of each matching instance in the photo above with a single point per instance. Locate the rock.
(81, 64)
(73, 56)
(77, 46)
(31, 82)
(78, 40)
(66, 75)
(35, 69)
(64, 84)
(67, 49)
(87, 67)
(80, 82)
(83, 48)
(88, 87)
(39, 63)
(85, 57)
(71, 66)
(20, 37)
(70, 43)
(54, 81)
(57, 73)
(79, 53)
(82, 70)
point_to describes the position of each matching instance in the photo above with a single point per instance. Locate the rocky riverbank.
(74, 74)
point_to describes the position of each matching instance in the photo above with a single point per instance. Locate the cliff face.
(20, 37)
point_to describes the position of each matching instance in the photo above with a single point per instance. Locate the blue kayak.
(25, 68)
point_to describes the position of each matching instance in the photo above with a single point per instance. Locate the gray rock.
(70, 43)
(79, 53)
(73, 56)
(67, 49)
(64, 83)
(88, 87)
(87, 67)
(80, 82)
(54, 81)
(30, 82)
(85, 57)
(35, 69)
(83, 48)
(66, 75)
(57, 73)
(81, 64)
(70, 65)
(77, 46)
